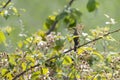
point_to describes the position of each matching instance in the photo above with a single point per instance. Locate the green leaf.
(2, 37)
(48, 23)
(12, 60)
(91, 5)
(20, 44)
(81, 50)
(98, 54)
(74, 74)
(61, 15)
(23, 66)
(59, 44)
(35, 75)
(44, 71)
(67, 60)
(9, 76)
(8, 29)
(99, 78)
(70, 20)
(76, 12)
(4, 71)
(30, 58)
(71, 75)
(15, 11)
(59, 72)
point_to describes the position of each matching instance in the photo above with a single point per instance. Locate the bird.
(75, 39)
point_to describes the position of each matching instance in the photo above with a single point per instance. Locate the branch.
(22, 73)
(5, 5)
(96, 39)
(17, 76)
(52, 27)
(56, 21)
(69, 4)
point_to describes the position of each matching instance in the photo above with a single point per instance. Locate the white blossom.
(42, 44)
(84, 34)
(6, 12)
(112, 21)
(107, 16)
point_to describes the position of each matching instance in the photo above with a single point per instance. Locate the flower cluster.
(112, 21)
(50, 41)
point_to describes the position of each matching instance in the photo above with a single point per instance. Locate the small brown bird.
(75, 39)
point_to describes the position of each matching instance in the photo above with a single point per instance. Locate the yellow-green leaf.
(23, 66)
(8, 29)
(72, 74)
(52, 17)
(2, 13)
(15, 10)
(59, 72)
(35, 75)
(20, 44)
(110, 38)
(98, 54)
(44, 71)
(29, 40)
(3, 71)
(78, 76)
(30, 58)
(67, 60)
(41, 33)
(2, 37)
(89, 49)
(95, 78)
(9, 76)
(12, 60)
(81, 50)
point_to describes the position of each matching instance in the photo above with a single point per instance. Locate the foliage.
(52, 56)
(11, 10)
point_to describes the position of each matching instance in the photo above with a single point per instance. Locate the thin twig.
(5, 5)
(20, 74)
(94, 40)
(17, 76)
(56, 21)
(69, 4)
(52, 27)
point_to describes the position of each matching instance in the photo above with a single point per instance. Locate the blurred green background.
(38, 10)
